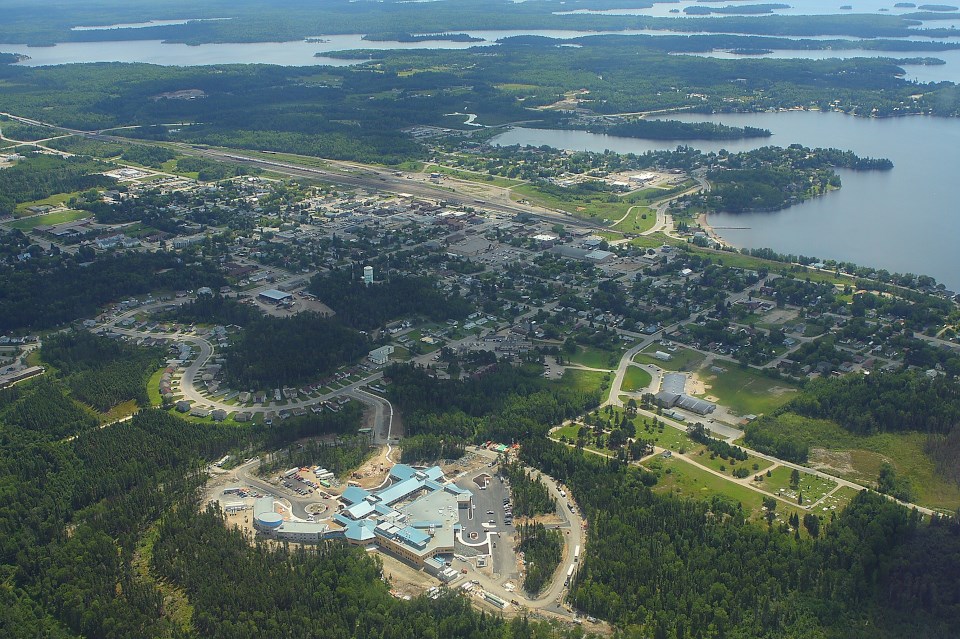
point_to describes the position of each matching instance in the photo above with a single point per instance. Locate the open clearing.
(858, 458)
(49, 219)
(811, 487)
(681, 359)
(635, 379)
(744, 391)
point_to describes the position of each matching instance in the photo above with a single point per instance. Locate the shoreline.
(711, 232)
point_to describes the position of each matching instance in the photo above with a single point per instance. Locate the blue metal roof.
(359, 510)
(353, 494)
(402, 471)
(398, 491)
(359, 530)
(413, 537)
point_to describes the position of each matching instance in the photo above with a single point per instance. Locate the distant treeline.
(676, 130)
(428, 37)
(35, 299)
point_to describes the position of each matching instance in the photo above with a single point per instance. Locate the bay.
(905, 220)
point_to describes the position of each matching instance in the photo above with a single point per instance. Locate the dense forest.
(369, 307)
(359, 112)
(772, 178)
(39, 176)
(272, 352)
(215, 309)
(542, 551)
(886, 401)
(530, 496)
(505, 404)
(429, 448)
(101, 537)
(675, 130)
(102, 372)
(35, 299)
(883, 402)
(698, 569)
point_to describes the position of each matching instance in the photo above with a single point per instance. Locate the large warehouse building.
(673, 394)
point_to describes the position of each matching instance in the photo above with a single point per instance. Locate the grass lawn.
(120, 411)
(635, 379)
(654, 240)
(745, 391)
(595, 357)
(666, 437)
(640, 219)
(472, 176)
(49, 219)
(153, 388)
(858, 458)
(400, 353)
(572, 433)
(703, 455)
(53, 200)
(811, 487)
(682, 359)
(738, 260)
(595, 209)
(682, 479)
(585, 380)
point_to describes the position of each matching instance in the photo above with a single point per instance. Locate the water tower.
(368, 275)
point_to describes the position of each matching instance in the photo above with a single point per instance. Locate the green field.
(596, 209)
(585, 380)
(153, 388)
(682, 359)
(49, 219)
(472, 176)
(655, 240)
(686, 480)
(811, 487)
(703, 457)
(858, 458)
(638, 220)
(635, 379)
(53, 200)
(668, 437)
(595, 358)
(738, 260)
(745, 391)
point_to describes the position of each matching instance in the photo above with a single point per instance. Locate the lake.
(905, 220)
(797, 7)
(301, 53)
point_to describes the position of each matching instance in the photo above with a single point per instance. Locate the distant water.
(905, 220)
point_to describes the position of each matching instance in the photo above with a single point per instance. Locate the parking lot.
(491, 515)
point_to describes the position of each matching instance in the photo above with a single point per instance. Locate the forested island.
(738, 9)
(675, 130)
(770, 179)
(424, 37)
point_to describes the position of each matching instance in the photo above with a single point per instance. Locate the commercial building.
(273, 296)
(380, 356)
(673, 394)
